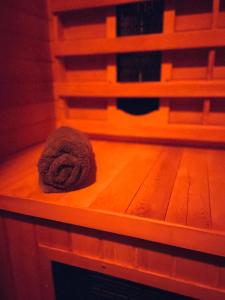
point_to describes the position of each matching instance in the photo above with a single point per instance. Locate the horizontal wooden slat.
(61, 5)
(167, 134)
(206, 241)
(144, 89)
(148, 42)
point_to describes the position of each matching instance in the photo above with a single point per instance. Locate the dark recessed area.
(140, 18)
(138, 67)
(74, 283)
(135, 19)
(138, 106)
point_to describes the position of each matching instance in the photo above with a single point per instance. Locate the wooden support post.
(111, 61)
(211, 60)
(166, 67)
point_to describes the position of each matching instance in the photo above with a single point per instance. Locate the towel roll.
(67, 161)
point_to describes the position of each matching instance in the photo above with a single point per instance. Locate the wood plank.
(155, 257)
(7, 289)
(53, 234)
(24, 93)
(208, 136)
(216, 187)
(199, 211)
(166, 65)
(197, 267)
(193, 15)
(193, 67)
(17, 47)
(34, 8)
(85, 69)
(178, 205)
(86, 242)
(19, 70)
(152, 199)
(25, 115)
(60, 5)
(142, 89)
(186, 111)
(140, 43)
(83, 24)
(18, 22)
(119, 193)
(118, 250)
(19, 138)
(23, 248)
(203, 240)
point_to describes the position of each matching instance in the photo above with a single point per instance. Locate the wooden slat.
(152, 199)
(177, 209)
(143, 89)
(199, 212)
(151, 230)
(61, 6)
(148, 42)
(168, 134)
(120, 192)
(217, 188)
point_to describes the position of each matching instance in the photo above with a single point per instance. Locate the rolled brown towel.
(67, 161)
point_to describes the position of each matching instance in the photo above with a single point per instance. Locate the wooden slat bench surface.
(172, 195)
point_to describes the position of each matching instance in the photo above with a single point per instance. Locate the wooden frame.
(141, 276)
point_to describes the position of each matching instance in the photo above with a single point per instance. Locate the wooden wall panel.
(189, 64)
(23, 248)
(193, 15)
(90, 68)
(7, 291)
(25, 74)
(84, 24)
(221, 18)
(219, 69)
(186, 111)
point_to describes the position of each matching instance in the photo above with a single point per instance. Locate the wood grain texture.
(143, 89)
(25, 75)
(22, 247)
(7, 291)
(148, 42)
(153, 197)
(22, 194)
(129, 180)
(207, 136)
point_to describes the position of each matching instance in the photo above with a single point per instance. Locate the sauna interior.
(145, 80)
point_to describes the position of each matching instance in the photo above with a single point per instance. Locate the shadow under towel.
(67, 161)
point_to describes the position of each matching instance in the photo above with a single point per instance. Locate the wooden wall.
(29, 245)
(191, 87)
(26, 98)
